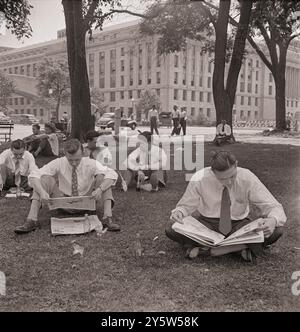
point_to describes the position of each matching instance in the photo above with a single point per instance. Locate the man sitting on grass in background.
(48, 144)
(219, 196)
(32, 143)
(95, 149)
(223, 133)
(148, 161)
(77, 176)
(15, 165)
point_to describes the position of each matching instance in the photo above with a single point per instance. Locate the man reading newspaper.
(216, 204)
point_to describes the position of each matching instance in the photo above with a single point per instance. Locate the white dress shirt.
(27, 162)
(204, 193)
(152, 113)
(155, 159)
(226, 131)
(86, 172)
(53, 140)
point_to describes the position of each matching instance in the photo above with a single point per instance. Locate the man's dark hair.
(222, 160)
(72, 146)
(91, 134)
(51, 126)
(17, 144)
(145, 135)
(36, 125)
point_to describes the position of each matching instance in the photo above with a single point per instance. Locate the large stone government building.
(123, 65)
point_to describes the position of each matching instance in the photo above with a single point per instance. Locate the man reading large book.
(220, 197)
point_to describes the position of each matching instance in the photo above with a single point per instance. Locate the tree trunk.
(219, 94)
(80, 93)
(57, 108)
(224, 98)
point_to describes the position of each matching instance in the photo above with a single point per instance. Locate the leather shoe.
(27, 227)
(110, 225)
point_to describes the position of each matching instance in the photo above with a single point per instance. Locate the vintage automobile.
(5, 119)
(107, 120)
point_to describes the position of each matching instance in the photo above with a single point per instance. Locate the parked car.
(165, 119)
(107, 120)
(24, 119)
(4, 119)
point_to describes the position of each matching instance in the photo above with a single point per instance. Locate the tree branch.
(260, 53)
(208, 12)
(90, 14)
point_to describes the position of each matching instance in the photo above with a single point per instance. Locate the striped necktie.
(17, 173)
(225, 225)
(74, 182)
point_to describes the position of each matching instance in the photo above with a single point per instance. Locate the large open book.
(196, 231)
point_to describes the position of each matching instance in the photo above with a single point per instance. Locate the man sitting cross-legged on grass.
(227, 190)
(147, 160)
(15, 165)
(77, 176)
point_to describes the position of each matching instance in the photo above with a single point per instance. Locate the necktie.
(74, 182)
(17, 173)
(225, 217)
(223, 127)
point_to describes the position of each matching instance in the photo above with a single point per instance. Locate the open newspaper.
(198, 232)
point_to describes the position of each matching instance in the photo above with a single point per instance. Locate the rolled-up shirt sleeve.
(108, 173)
(190, 199)
(51, 169)
(269, 207)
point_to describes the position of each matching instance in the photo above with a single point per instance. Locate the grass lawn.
(43, 275)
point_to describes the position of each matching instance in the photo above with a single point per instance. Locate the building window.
(113, 81)
(158, 77)
(184, 79)
(249, 101)
(10, 70)
(139, 93)
(176, 61)
(193, 81)
(242, 115)
(249, 89)
(130, 94)
(140, 81)
(193, 95)
(209, 82)
(16, 70)
(131, 78)
(201, 96)
(101, 82)
(183, 94)
(122, 95)
(112, 96)
(208, 97)
(256, 115)
(208, 113)
(16, 101)
(122, 81)
(292, 103)
(175, 94)
(28, 110)
(296, 104)
(41, 112)
(209, 66)
(22, 70)
(256, 88)
(257, 63)
(34, 112)
(256, 75)
(28, 101)
(22, 111)
(192, 111)
(242, 100)
(157, 60)
(270, 90)
(34, 70)
(287, 103)
(149, 78)
(122, 51)
(249, 114)
(242, 86)
(10, 101)
(112, 109)
(175, 78)
(270, 77)
(201, 110)
(200, 81)
(16, 111)
(21, 101)
(122, 65)
(158, 92)
(256, 101)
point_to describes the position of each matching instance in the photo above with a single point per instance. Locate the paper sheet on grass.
(74, 225)
(15, 195)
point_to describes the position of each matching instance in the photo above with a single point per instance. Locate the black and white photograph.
(149, 158)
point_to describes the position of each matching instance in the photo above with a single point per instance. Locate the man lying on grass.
(219, 197)
(77, 176)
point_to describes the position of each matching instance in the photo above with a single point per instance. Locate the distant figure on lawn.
(153, 119)
(95, 149)
(223, 133)
(15, 165)
(221, 195)
(183, 118)
(77, 176)
(147, 162)
(45, 144)
(176, 121)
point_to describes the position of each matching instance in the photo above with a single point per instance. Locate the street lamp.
(50, 91)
